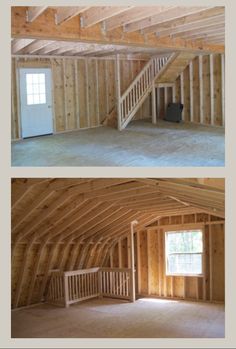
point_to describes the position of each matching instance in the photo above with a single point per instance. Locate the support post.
(212, 88)
(118, 108)
(132, 283)
(154, 109)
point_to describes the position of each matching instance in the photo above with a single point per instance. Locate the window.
(35, 88)
(184, 251)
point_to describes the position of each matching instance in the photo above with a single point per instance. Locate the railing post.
(118, 106)
(154, 109)
(66, 291)
(100, 283)
(132, 279)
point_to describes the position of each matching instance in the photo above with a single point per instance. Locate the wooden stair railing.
(137, 92)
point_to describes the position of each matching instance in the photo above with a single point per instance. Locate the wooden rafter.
(185, 20)
(33, 12)
(63, 14)
(165, 15)
(95, 15)
(71, 30)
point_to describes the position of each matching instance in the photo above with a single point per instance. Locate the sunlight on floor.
(157, 300)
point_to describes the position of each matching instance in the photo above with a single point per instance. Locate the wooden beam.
(132, 15)
(35, 46)
(205, 24)
(97, 14)
(33, 12)
(168, 14)
(198, 32)
(186, 19)
(19, 44)
(72, 31)
(63, 14)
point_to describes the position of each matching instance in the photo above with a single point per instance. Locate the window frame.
(185, 229)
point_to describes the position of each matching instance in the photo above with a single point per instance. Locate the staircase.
(176, 67)
(163, 69)
(137, 92)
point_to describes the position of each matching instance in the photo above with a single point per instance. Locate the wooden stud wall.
(83, 90)
(151, 251)
(207, 85)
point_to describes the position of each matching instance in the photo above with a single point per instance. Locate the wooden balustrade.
(115, 282)
(70, 287)
(55, 293)
(136, 93)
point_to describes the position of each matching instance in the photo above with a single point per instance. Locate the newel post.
(66, 291)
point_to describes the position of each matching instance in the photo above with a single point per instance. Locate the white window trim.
(169, 231)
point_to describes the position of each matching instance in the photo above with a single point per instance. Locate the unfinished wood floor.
(146, 318)
(140, 144)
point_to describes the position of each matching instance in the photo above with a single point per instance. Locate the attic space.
(118, 86)
(118, 257)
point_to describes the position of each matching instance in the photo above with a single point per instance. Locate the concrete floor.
(140, 144)
(109, 318)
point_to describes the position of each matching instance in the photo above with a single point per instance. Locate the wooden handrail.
(80, 271)
(138, 90)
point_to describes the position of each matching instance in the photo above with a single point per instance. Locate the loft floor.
(109, 318)
(140, 144)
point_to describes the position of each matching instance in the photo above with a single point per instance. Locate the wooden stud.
(77, 111)
(201, 90)
(212, 87)
(87, 93)
(132, 284)
(191, 89)
(223, 87)
(174, 93)
(211, 262)
(182, 94)
(154, 111)
(97, 93)
(65, 94)
(118, 92)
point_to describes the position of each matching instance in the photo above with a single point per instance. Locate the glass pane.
(184, 241)
(42, 78)
(42, 99)
(30, 99)
(35, 78)
(29, 89)
(41, 88)
(185, 264)
(36, 89)
(36, 99)
(29, 79)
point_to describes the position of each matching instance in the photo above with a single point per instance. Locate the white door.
(36, 102)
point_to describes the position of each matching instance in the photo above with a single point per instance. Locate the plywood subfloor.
(140, 144)
(146, 318)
